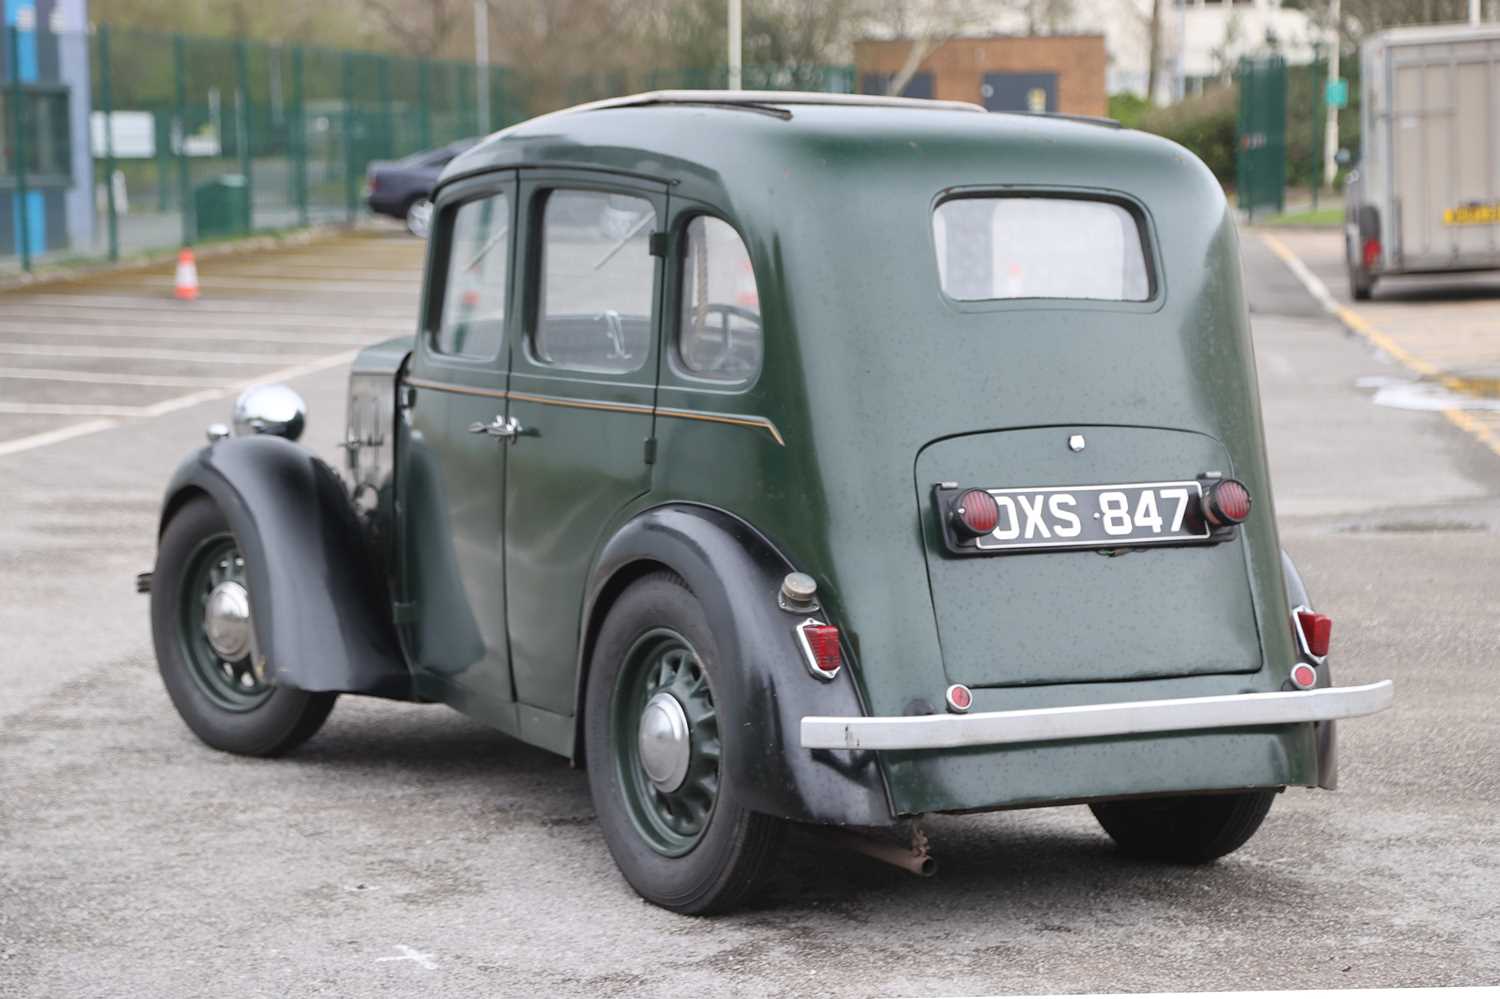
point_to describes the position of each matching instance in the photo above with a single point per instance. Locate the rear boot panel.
(1046, 617)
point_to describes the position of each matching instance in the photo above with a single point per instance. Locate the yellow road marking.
(1461, 419)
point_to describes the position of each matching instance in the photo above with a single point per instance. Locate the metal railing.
(119, 141)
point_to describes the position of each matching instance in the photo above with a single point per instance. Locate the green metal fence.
(119, 141)
(1260, 164)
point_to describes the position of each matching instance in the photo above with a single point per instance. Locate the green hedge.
(1205, 124)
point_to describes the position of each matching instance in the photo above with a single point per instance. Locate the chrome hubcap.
(226, 620)
(665, 746)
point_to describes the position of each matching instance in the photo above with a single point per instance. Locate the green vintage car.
(789, 458)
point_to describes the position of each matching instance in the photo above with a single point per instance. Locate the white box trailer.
(1425, 196)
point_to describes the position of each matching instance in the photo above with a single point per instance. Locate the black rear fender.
(320, 607)
(735, 573)
(1326, 732)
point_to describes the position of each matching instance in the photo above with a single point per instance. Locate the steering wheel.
(720, 362)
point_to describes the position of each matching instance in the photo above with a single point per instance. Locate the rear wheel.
(665, 800)
(201, 626)
(1361, 281)
(1193, 829)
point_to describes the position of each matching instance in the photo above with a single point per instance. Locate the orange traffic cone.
(187, 276)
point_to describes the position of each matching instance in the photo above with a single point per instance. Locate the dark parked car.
(402, 188)
(791, 458)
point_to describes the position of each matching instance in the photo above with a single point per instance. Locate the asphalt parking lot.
(118, 347)
(408, 851)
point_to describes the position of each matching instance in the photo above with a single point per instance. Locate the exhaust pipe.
(914, 859)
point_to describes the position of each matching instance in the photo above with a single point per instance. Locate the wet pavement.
(1442, 330)
(408, 851)
(116, 347)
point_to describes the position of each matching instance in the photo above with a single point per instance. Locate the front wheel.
(655, 754)
(1192, 829)
(201, 626)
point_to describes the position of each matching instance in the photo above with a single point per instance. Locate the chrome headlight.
(270, 409)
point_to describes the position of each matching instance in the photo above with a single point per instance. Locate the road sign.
(1336, 94)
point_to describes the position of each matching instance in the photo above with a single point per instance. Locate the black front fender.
(735, 573)
(321, 611)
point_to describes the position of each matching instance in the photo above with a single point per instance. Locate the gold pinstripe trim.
(457, 389)
(731, 419)
(552, 400)
(758, 422)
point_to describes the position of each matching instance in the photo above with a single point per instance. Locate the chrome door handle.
(501, 427)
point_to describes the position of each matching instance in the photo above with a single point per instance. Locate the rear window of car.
(1040, 247)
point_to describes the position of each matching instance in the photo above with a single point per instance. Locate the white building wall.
(1199, 38)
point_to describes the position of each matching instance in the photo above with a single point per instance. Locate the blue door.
(1019, 92)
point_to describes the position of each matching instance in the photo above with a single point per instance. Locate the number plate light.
(1225, 502)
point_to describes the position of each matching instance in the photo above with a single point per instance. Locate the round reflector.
(1226, 502)
(975, 513)
(1304, 677)
(960, 698)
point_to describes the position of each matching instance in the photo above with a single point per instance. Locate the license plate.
(1109, 516)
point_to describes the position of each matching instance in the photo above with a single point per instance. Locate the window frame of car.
(673, 336)
(675, 376)
(536, 188)
(1151, 250)
(451, 199)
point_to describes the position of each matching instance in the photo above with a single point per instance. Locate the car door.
(582, 389)
(452, 453)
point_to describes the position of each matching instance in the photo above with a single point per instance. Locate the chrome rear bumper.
(1186, 714)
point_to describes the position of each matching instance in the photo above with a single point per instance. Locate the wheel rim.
(665, 736)
(214, 626)
(419, 218)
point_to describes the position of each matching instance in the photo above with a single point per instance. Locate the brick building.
(1063, 73)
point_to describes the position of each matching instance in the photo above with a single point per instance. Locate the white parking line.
(170, 405)
(316, 287)
(166, 304)
(67, 409)
(191, 319)
(134, 353)
(104, 377)
(236, 334)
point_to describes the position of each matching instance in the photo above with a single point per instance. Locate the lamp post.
(482, 63)
(735, 80)
(1331, 128)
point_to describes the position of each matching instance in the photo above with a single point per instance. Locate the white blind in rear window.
(991, 248)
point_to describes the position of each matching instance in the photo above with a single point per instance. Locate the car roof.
(666, 133)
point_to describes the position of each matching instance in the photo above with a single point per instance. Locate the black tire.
(1361, 281)
(275, 721)
(1193, 829)
(1361, 284)
(734, 852)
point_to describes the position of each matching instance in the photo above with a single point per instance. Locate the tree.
(929, 25)
(1153, 50)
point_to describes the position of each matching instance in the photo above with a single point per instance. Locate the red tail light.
(1316, 630)
(959, 698)
(1304, 677)
(1370, 253)
(820, 648)
(974, 514)
(1225, 502)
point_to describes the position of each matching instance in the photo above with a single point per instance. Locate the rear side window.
(598, 281)
(474, 293)
(1015, 247)
(719, 334)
